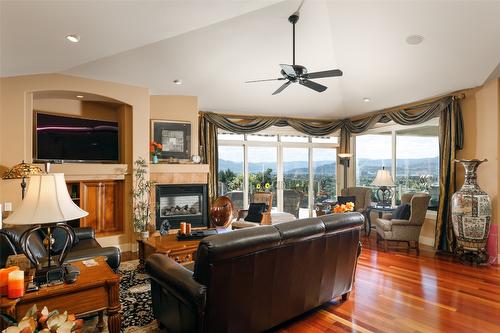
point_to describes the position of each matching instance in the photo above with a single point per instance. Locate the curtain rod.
(456, 95)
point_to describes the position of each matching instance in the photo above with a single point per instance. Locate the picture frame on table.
(175, 137)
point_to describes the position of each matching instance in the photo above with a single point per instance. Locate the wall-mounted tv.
(72, 139)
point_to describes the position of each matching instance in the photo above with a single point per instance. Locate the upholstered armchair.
(363, 199)
(408, 231)
(257, 197)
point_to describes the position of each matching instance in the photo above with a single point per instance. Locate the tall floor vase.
(471, 216)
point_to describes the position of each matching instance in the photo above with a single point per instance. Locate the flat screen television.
(72, 139)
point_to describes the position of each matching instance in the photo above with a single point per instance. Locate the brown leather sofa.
(252, 279)
(84, 246)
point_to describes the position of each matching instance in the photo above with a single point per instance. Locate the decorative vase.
(471, 216)
(155, 159)
(144, 234)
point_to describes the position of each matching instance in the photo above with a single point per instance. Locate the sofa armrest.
(112, 254)
(387, 216)
(84, 232)
(400, 222)
(177, 279)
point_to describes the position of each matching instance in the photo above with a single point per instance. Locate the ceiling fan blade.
(313, 85)
(289, 70)
(280, 89)
(280, 78)
(317, 75)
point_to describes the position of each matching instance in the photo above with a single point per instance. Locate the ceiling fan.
(297, 73)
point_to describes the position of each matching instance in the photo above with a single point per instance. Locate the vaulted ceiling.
(214, 46)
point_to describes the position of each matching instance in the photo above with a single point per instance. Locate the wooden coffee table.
(97, 289)
(182, 251)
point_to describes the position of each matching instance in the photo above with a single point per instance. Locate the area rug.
(135, 299)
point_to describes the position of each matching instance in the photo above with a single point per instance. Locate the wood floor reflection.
(398, 291)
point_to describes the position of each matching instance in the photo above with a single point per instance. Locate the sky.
(269, 154)
(407, 147)
(367, 146)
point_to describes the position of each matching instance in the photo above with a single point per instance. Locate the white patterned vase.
(471, 215)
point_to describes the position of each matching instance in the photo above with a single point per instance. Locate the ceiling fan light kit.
(297, 73)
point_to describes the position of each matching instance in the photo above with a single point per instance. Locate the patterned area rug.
(135, 299)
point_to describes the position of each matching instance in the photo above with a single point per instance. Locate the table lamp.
(384, 181)
(22, 171)
(47, 205)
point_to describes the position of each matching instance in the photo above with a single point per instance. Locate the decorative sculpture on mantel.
(471, 216)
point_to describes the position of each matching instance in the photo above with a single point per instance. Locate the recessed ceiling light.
(366, 100)
(79, 96)
(414, 39)
(177, 81)
(73, 38)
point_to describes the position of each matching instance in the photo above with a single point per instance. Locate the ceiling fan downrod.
(293, 19)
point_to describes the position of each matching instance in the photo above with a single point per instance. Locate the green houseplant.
(141, 195)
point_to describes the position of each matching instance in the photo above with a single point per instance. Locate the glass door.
(262, 170)
(296, 181)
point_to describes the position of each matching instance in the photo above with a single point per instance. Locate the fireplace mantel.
(164, 173)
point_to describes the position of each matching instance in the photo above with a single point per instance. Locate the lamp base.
(384, 195)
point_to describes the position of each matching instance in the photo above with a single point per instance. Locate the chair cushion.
(342, 200)
(255, 212)
(403, 212)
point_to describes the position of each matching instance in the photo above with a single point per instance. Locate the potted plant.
(141, 195)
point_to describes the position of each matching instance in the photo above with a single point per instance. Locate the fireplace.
(181, 203)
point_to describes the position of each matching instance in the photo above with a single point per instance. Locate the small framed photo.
(175, 138)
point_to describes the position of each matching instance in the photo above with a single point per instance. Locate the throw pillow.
(255, 212)
(342, 200)
(403, 212)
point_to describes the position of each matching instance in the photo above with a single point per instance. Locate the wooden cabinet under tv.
(103, 200)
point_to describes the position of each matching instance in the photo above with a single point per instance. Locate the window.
(417, 162)
(373, 152)
(262, 170)
(300, 170)
(231, 174)
(413, 152)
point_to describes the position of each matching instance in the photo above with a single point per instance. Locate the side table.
(380, 210)
(96, 290)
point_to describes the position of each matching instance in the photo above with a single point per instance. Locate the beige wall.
(16, 114)
(182, 108)
(71, 107)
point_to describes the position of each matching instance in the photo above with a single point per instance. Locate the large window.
(411, 154)
(300, 170)
(417, 162)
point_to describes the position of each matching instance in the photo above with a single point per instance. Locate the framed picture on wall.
(174, 136)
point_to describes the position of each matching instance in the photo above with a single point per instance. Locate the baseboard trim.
(426, 241)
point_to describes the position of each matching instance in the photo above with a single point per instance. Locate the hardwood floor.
(398, 291)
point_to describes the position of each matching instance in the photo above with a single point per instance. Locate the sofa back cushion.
(35, 241)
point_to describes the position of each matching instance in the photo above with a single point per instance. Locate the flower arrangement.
(155, 149)
(43, 321)
(263, 185)
(344, 208)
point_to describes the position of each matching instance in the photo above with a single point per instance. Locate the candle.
(183, 228)
(15, 288)
(188, 228)
(4, 278)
